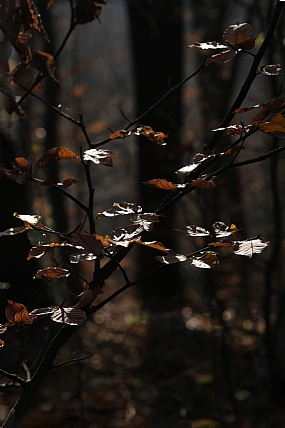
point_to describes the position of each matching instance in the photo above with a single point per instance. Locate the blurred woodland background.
(188, 347)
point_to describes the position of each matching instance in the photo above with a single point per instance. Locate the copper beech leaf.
(205, 260)
(31, 18)
(275, 127)
(222, 57)
(249, 247)
(207, 45)
(44, 63)
(39, 250)
(120, 134)
(71, 316)
(147, 131)
(199, 158)
(193, 230)
(51, 273)
(171, 257)
(221, 230)
(125, 236)
(13, 231)
(33, 220)
(272, 106)
(21, 163)
(17, 313)
(146, 220)
(55, 154)
(120, 208)
(88, 242)
(233, 129)
(99, 156)
(207, 184)
(270, 70)
(161, 183)
(153, 244)
(13, 174)
(67, 182)
(238, 33)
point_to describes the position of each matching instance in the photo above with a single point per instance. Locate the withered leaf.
(246, 109)
(120, 208)
(207, 184)
(39, 250)
(13, 231)
(161, 183)
(222, 57)
(199, 158)
(71, 316)
(153, 244)
(21, 163)
(275, 127)
(67, 182)
(99, 156)
(171, 257)
(82, 257)
(221, 230)
(248, 44)
(2, 343)
(270, 70)
(147, 131)
(120, 134)
(238, 33)
(30, 18)
(193, 230)
(232, 129)
(55, 154)
(220, 244)
(232, 150)
(89, 242)
(125, 236)
(207, 45)
(13, 174)
(17, 313)
(272, 106)
(87, 297)
(250, 247)
(51, 273)
(30, 219)
(205, 260)
(146, 220)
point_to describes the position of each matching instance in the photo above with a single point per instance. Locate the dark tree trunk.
(156, 34)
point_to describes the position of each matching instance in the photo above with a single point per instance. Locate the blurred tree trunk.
(156, 34)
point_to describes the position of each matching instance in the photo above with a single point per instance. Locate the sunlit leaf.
(52, 273)
(161, 183)
(246, 109)
(250, 247)
(71, 316)
(153, 244)
(31, 219)
(205, 260)
(89, 242)
(120, 134)
(222, 57)
(146, 220)
(82, 257)
(199, 158)
(193, 230)
(150, 134)
(13, 231)
(221, 230)
(125, 236)
(41, 249)
(232, 129)
(120, 208)
(270, 70)
(171, 258)
(238, 33)
(67, 182)
(207, 45)
(55, 154)
(99, 156)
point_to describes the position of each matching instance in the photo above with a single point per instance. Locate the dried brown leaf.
(51, 273)
(222, 57)
(55, 154)
(161, 183)
(238, 33)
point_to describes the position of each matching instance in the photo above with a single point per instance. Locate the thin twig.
(14, 377)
